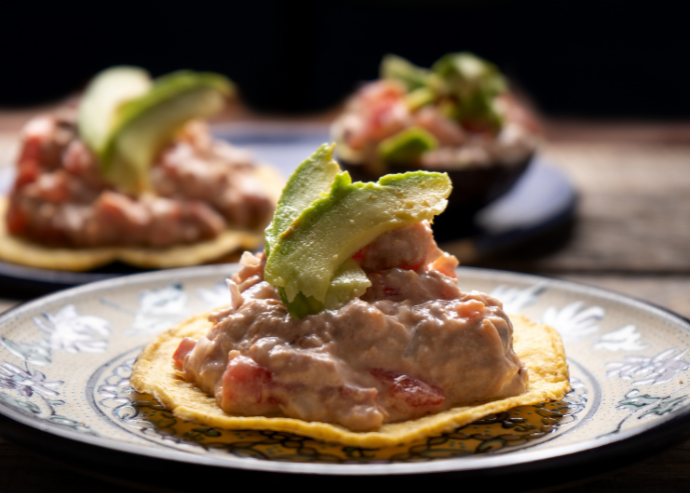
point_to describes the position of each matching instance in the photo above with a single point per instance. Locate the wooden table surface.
(631, 235)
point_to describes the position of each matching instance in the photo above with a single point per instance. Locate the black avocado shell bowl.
(474, 187)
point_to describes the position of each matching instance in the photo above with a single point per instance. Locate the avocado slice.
(332, 229)
(102, 99)
(349, 281)
(146, 124)
(464, 73)
(421, 96)
(407, 146)
(307, 183)
(474, 83)
(397, 68)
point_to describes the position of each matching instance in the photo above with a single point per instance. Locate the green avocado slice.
(407, 146)
(397, 68)
(349, 281)
(102, 99)
(326, 234)
(307, 183)
(475, 83)
(148, 123)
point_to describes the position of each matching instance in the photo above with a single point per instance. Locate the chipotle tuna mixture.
(379, 110)
(412, 345)
(201, 186)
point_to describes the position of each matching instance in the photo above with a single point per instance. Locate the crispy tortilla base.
(21, 251)
(538, 346)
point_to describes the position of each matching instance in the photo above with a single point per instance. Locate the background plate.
(542, 199)
(65, 362)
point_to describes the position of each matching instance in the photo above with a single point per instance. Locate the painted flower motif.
(216, 296)
(69, 331)
(162, 301)
(27, 382)
(37, 353)
(645, 405)
(159, 309)
(516, 299)
(654, 370)
(574, 321)
(26, 407)
(627, 338)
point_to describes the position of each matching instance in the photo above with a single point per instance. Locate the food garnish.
(105, 94)
(465, 85)
(144, 125)
(304, 255)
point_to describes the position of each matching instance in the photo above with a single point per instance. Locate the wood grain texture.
(633, 213)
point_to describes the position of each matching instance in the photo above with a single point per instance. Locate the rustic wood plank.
(632, 216)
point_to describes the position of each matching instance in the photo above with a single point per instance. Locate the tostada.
(351, 327)
(133, 174)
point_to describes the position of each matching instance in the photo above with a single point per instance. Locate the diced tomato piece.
(31, 149)
(445, 264)
(244, 380)
(360, 254)
(27, 172)
(470, 309)
(182, 351)
(412, 391)
(16, 219)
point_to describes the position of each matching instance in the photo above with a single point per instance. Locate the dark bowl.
(473, 188)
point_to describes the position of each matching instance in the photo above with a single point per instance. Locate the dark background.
(625, 59)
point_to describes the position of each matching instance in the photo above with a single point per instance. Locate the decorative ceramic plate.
(65, 362)
(540, 200)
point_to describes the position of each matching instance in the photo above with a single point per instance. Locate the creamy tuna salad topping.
(413, 344)
(200, 187)
(135, 166)
(398, 339)
(457, 114)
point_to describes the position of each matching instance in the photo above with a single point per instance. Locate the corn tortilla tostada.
(538, 346)
(351, 326)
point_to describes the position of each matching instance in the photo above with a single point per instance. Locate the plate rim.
(632, 439)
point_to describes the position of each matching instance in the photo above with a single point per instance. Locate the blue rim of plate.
(638, 442)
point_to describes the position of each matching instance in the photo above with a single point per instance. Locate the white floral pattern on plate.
(158, 309)
(627, 338)
(72, 336)
(516, 299)
(574, 321)
(216, 296)
(646, 370)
